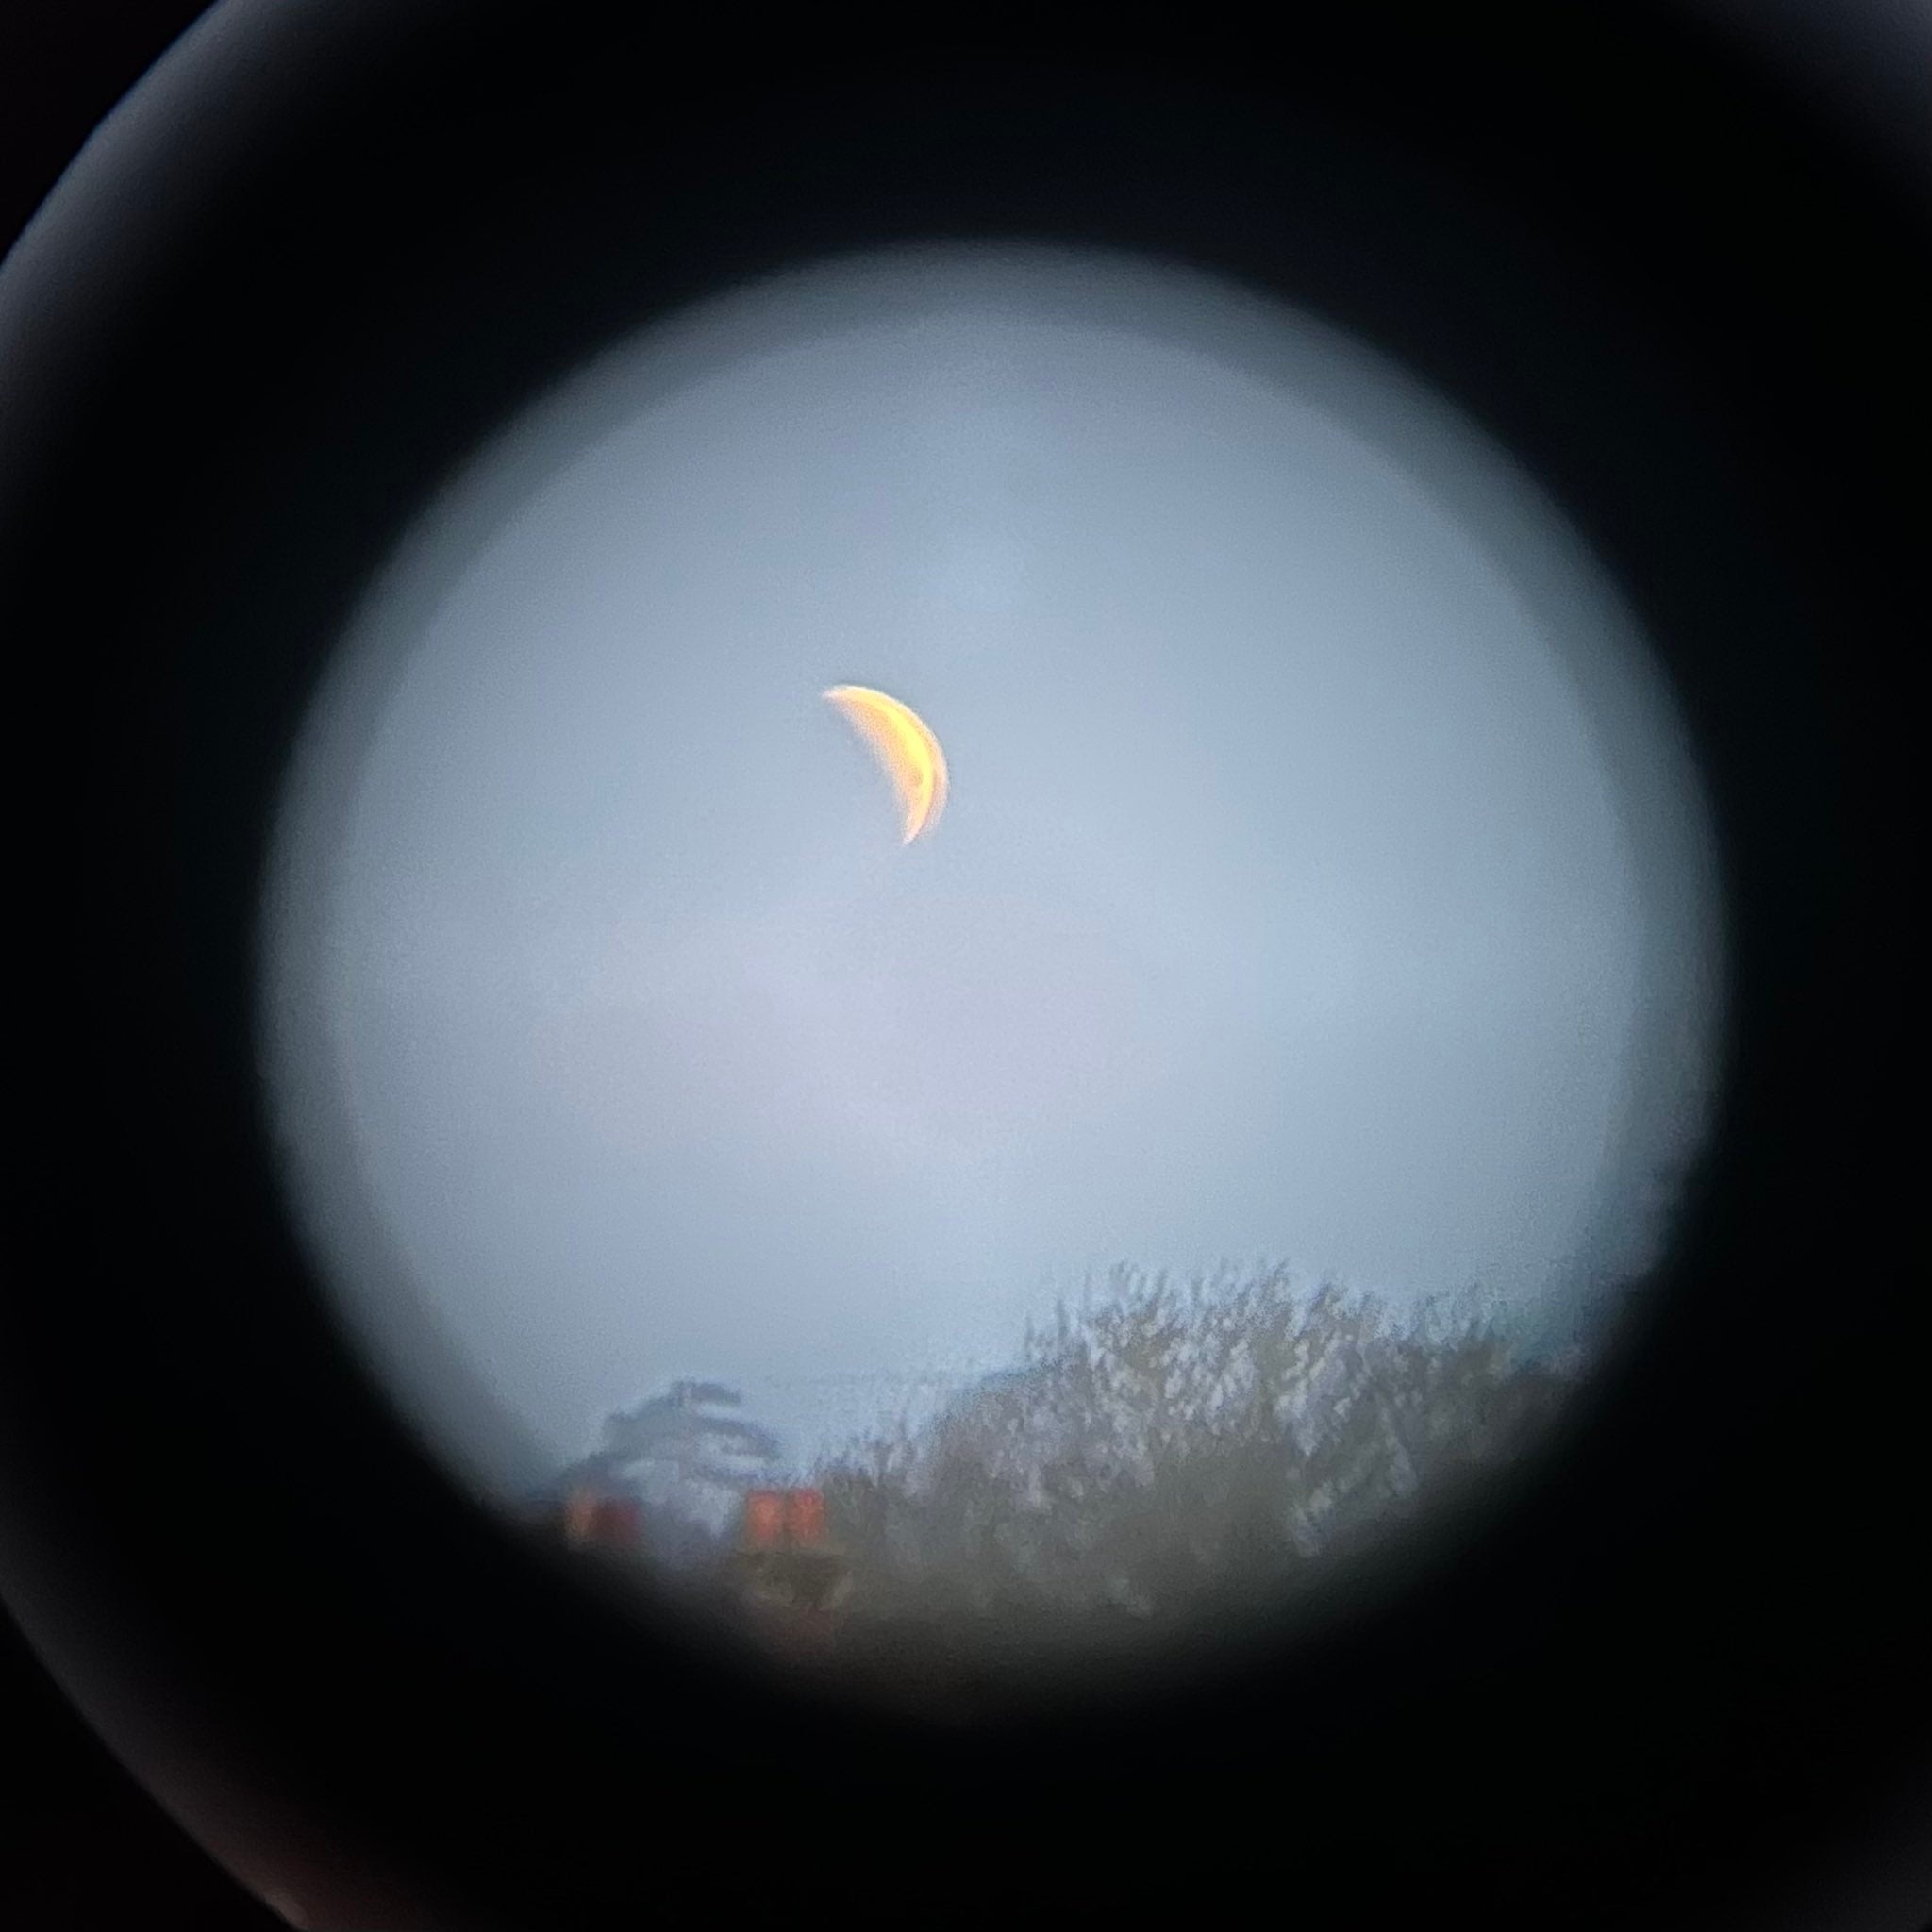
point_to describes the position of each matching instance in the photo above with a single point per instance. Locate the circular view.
(989, 938)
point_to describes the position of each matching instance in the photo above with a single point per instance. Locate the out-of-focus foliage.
(1167, 1443)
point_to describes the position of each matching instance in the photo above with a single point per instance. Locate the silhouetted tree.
(682, 1458)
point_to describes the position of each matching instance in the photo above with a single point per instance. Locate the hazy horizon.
(1324, 878)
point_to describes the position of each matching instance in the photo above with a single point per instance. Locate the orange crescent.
(905, 746)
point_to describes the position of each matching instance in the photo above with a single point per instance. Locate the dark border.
(332, 247)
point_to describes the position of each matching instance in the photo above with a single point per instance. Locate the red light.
(806, 1516)
(764, 1519)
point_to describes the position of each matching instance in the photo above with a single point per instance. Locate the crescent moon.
(905, 746)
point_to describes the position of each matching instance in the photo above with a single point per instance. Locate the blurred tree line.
(1165, 1444)
(1161, 1451)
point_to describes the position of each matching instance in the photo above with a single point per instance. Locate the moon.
(905, 746)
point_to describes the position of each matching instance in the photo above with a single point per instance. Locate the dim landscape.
(1164, 1458)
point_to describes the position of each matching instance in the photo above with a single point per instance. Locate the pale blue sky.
(1323, 878)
